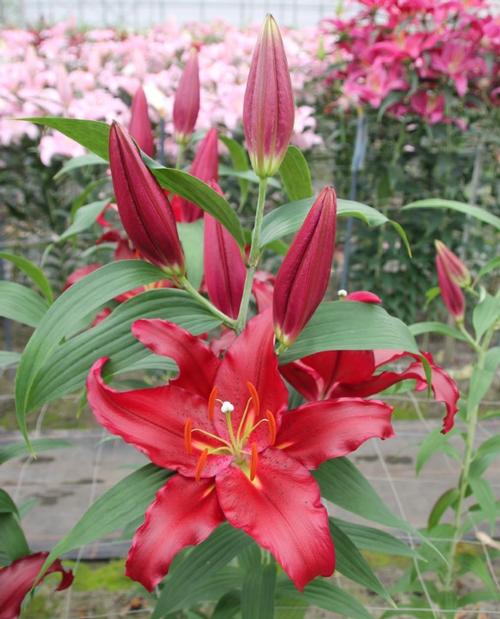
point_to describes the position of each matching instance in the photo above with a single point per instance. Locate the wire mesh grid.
(138, 15)
(387, 476)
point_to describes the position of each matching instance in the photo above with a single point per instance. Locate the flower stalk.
(254, 256)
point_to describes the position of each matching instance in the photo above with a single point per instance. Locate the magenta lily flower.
(239, 454)
(144, 209)
(187, 100)
(268, 108)
(303, 277)
(140, 124)
(18, 578)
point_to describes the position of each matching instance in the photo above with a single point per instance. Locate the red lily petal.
(305, 379)
(183, 513)
(320, 431)
(197, 363)
(251, 358)
(263, 289)
(443, 387)
(281, 509)
(363, 296)
(17, 579)
(153, 420)
(327, 369)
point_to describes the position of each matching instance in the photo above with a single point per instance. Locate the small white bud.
(342, 293)
(226, 407)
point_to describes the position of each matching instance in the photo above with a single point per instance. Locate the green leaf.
(434, 442)
(351, 563)
(94, 135)
(191, 235)
(7, 505)
(461, 207)
(15, 450)
(343, 484)
(239, 159)
(419, 328)
(228, 606)
(203, 195)
(482, 377)
(21, 304)
(348, 325)
(491, 265)
(295, 175)
(83, 161)
(288, 218)
(485, 314)
(257, 595)
(483, 492)
(112, 511)
(65, 316)
(367, 538)
(66, 369)
(491, 446)
(13, 543)
(33, 271)
(446, 500)
(198, 567)
(9, 358)
(323, 594)
(84, 218)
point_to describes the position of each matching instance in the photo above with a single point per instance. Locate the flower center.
(238, 444)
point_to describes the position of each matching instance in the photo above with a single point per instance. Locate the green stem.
(180, 155)
(253, 259)
(188, 287)
(472, 419)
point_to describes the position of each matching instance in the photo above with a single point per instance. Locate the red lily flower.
(349, 373)
(205, 166)
(303, 277)
(140, 125)
(18, 578)
(239, 454)
(187, 100)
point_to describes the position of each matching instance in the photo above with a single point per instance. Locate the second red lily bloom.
(240, 455)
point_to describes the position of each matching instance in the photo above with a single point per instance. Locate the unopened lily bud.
(187, 100)
(205, 166)
(455, 268)
(144, 209)
(303, 278)
(140, 125)
(363, 296)
(268, 109)
(224, 267)
(451, 292)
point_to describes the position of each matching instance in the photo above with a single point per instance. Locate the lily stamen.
(272, 426)
(188, 429)
(202, 460)
(211, 403)
(254, 398)
(253, 461)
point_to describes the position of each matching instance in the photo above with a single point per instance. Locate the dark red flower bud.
(144, 209)
(140, 125)
(205, 166)
(224, 267)
(268, 109)
(451, 292)
(187, 100)
(455, 268)
(303, 278)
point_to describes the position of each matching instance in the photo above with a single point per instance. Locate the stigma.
(227, 407)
